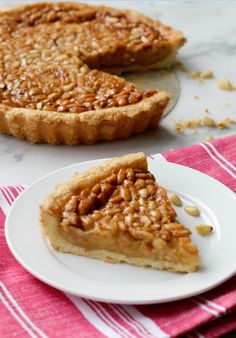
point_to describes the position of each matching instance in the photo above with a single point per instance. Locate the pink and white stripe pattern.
(30, 308)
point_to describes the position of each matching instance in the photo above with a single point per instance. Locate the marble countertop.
(211, 32)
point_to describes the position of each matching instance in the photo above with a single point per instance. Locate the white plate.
(122, 283)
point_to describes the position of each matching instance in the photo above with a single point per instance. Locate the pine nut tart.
(117, 212)
(56, 61)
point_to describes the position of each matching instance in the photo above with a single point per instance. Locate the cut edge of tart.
(117, 212)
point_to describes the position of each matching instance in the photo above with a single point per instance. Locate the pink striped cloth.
(31, 308)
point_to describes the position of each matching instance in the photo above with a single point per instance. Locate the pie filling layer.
(130, 214)
(47, 52)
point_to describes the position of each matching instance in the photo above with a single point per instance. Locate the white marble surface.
(210, 28)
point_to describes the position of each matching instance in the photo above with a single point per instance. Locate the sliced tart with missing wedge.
(117, 212)
(55, 65)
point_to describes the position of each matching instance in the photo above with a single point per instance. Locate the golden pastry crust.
(24, 115)
(39, 126)
(168, 247)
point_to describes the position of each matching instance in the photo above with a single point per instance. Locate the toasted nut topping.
(85, 206)
(195, 74)
(156, 226)
(71, 217)
(208, 121)
(140, 183)
(121, 176)
(116, 199)
(145, 219)
(112, 179)
(126, 195)
(192, 210)
(118, 203)
(129, 218)
(122, 226)
(143, 193)
(97, 188)
(45, 68)
(175, 199)
(88, 222)
(151, 189)
(204, 229)
(97, 216)
(156, 213)
(142, 175)
(165, 235)
(112, 212)
(130, 174)
(152, 205)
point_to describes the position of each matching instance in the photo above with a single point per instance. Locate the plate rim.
(59, 286)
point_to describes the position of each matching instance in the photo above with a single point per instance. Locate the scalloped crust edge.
(38, 126)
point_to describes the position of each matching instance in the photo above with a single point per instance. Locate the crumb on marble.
(208, 138)
(225, 84)
(225, 123)
(195, 74)
(196, 97)
(181, 67)
(207, 74)
(204, 121)
(208, 121)
(180, 126)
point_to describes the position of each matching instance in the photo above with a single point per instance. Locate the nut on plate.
(192, 210)
(175, 199)
(204, 229)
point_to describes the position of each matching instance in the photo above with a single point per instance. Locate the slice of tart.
(52, 87)
(117, 212)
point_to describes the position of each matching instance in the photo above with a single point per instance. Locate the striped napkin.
(29, 307)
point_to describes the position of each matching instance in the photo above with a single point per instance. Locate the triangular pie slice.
(52, 87)
(117, 212)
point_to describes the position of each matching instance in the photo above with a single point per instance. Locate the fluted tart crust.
(53, 84)
(117, 212)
